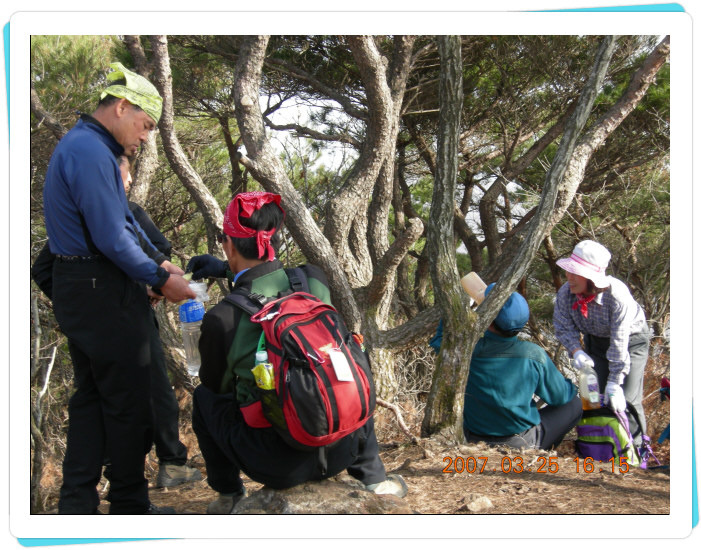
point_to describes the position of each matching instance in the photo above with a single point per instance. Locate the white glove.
(614, 398)
(581, 360)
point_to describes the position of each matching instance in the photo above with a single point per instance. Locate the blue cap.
(514, 313)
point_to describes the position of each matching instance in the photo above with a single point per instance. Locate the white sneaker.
(393, 485)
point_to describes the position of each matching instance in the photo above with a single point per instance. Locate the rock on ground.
(321, 497)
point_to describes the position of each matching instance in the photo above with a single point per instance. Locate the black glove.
(207, 265)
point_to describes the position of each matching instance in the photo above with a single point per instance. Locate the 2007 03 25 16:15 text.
(516, 465)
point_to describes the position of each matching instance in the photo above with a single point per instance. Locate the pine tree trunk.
(384, 372)
(443, 410)
(445, 397)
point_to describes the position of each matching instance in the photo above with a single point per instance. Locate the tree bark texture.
(488, 217)
(440, 417)
(264, 165)
(171, 339)
(384, 87)
(596, 136)
(444, 405)
(351, 201)
(206, 202)
(344, 252)
(144, 170)
(41, 373)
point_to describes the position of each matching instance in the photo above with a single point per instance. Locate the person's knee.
(574, 407)
(574, 403)
(566, 415)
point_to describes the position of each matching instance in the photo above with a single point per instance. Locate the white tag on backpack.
(340, 365)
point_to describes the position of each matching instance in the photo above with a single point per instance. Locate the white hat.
(589, 259)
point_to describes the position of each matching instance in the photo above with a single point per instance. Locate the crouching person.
(505, 373)
(232, 432)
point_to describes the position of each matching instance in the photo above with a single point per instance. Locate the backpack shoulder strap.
(299, 282)
(251, 303)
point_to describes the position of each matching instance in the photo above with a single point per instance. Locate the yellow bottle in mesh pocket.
(263, 372)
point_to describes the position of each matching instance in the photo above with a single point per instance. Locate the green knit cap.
(137, 91)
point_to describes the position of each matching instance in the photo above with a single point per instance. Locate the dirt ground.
(446, 478)
(440, 483)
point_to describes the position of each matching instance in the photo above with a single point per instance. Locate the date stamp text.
(541, 465)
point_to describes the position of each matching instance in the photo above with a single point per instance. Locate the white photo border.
(677, 524)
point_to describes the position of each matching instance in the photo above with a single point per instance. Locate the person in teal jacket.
(505, 375)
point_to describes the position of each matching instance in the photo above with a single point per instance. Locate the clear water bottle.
(263, 371)
(589, 388)
(200, 290)
(191, 314)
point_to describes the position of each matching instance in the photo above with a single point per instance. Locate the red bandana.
(245, 204)
(582, 304)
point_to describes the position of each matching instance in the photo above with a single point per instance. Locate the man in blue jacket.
(98, 300)
(171, 453)
(505, 374)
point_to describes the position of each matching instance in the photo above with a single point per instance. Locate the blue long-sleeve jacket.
(505, 373)
(83, 179)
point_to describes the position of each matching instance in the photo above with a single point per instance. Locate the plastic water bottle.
(191, 314)
(263, 371)
(200, 290)
(589, 388)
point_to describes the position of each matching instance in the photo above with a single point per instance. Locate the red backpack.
(324, 388)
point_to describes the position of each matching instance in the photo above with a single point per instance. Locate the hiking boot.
(155, 510)
(170, 475)
(393, 485)
(225, 502)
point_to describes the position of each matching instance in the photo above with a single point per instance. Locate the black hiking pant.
(164, 406)
(555, 422)
(105, 316)
(230, 446)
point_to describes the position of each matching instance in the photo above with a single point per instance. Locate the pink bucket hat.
(589, 259)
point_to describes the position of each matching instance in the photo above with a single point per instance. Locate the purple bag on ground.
(603, 434)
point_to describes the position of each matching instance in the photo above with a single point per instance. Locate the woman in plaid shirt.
(599, 322)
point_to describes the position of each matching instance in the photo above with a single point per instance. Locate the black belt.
(79, 259)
